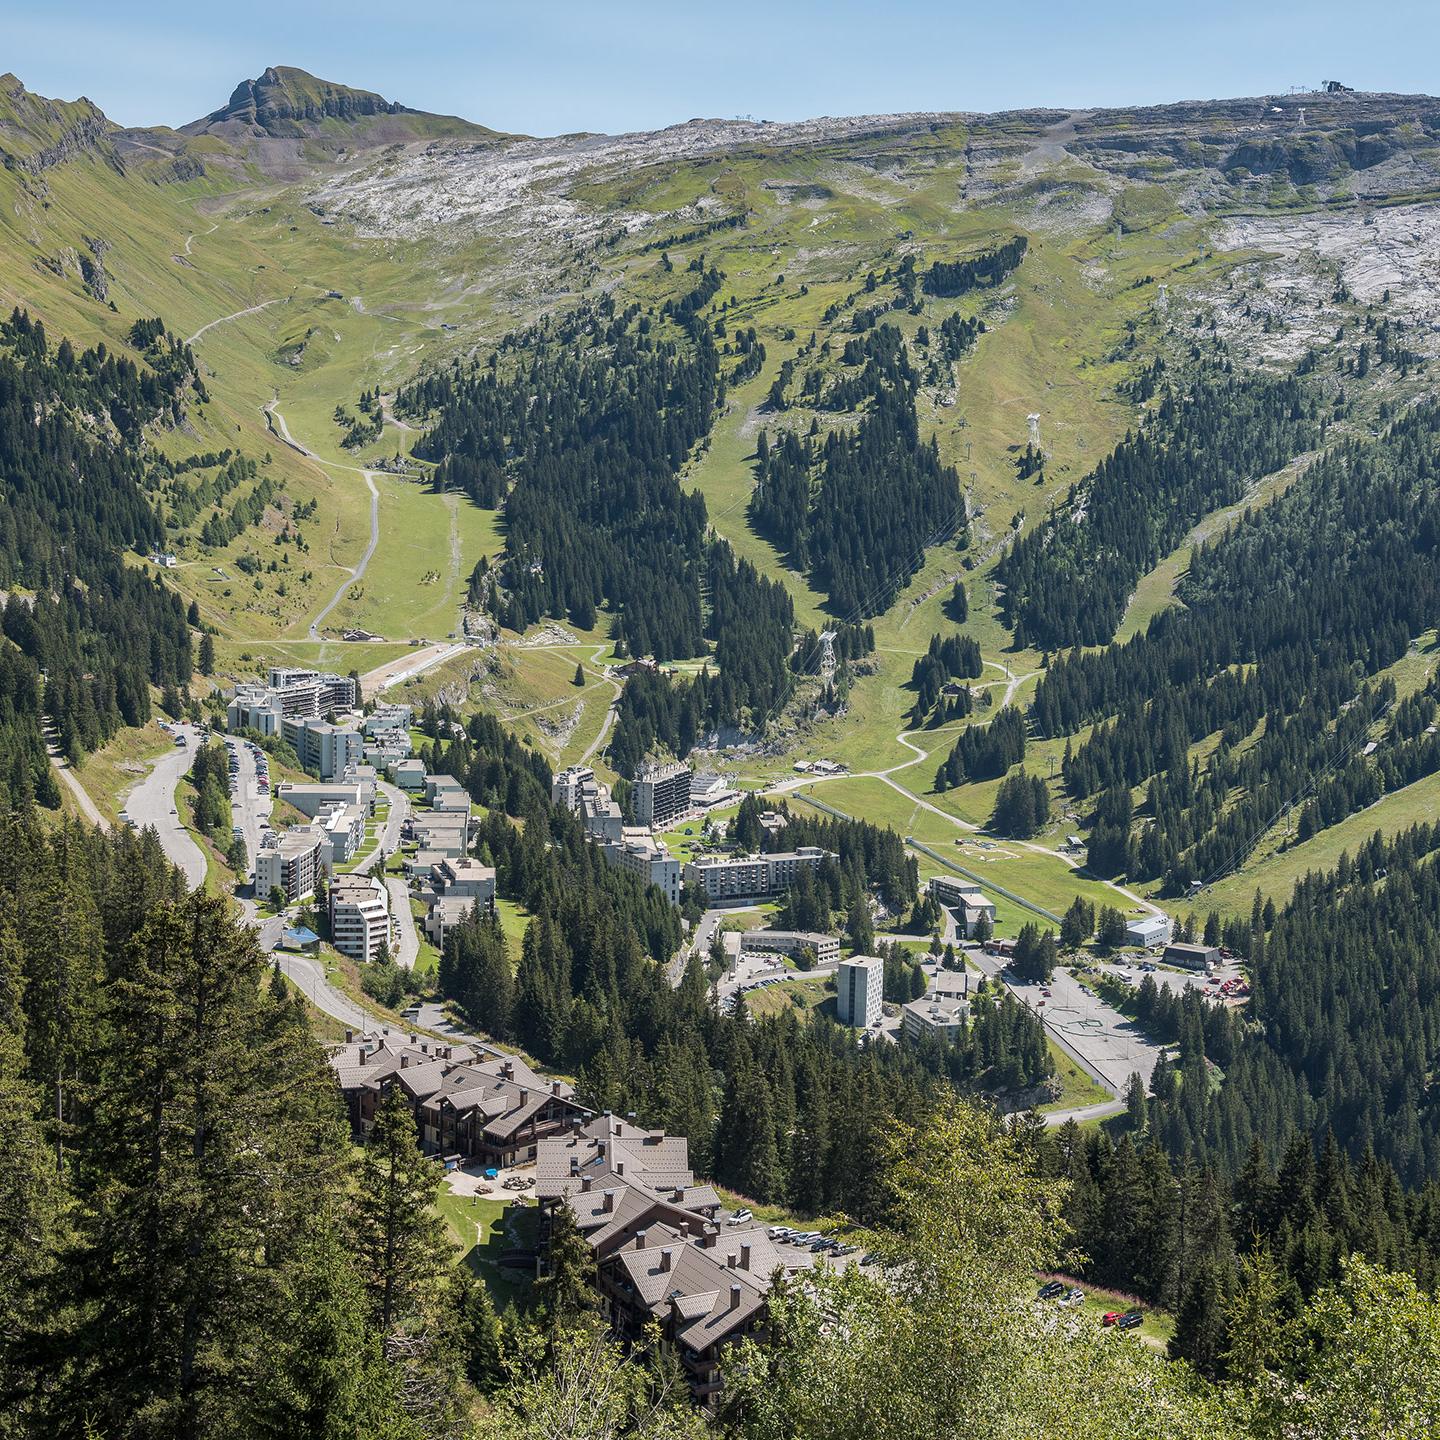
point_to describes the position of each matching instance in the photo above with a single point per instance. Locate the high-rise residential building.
(662, 793)
(290, 861)
(359, 916)
(859, 987)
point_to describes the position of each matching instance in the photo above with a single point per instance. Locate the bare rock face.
(288, 102)
(37, 134)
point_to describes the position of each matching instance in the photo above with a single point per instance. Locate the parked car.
(1050, 1290)
(1073, 1296)
(779, 1232)
(739, 1217)
(1110, 1317)
(1130, 1320)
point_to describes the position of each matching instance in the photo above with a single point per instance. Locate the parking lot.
(250, 798)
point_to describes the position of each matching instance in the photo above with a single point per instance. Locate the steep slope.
(37, 134)
(286, 115)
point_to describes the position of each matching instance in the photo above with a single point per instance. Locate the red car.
(1110, 1317)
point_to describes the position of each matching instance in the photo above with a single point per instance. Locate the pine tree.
(483, 1336)
(399, 1237)
(1135, 1101)
(567, 1289)
(214, 1138)
(207, 654)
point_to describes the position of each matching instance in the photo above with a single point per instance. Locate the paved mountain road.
(152, 804)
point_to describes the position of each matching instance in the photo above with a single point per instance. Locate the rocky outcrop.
(282, 100)
(37, 134)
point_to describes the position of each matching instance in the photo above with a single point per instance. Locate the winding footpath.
(236, 315)
(277, 422)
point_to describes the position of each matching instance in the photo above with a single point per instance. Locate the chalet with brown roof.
(664, 1252)
(483, 1106)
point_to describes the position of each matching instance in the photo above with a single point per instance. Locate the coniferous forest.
(1047, 501)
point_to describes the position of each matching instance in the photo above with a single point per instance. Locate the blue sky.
(551, 66)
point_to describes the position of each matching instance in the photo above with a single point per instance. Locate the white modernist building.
(1149, 930)
(967, 900)
(859, 987)
(641, 854)
(290, 861)
(359, 916)
(752, 877)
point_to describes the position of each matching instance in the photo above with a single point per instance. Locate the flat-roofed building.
(662, 793)
(311, 799)
(791, 943)
(446, 833)
(859, 987)
(641, 854)
(1191, 957)
(290, 861)
(971, 905)
(438, 786)
(460, 876)
(344, 830)
(1148, 930)
(325, 750)
(566, 787)
(359, 916)
(254, 707)
(445, 912)
(752, 877)
(408, 774)
(385, 719)
(944, 1012)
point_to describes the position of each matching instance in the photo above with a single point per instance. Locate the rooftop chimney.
(555, 1089)
(665, 1259)
(639, 1239)
(584, 1182)
(574, 1164)
(735, 1296)
(349, 1037)
(745, 1255)
(619, 1167)
(730, 1261)
(608, 1205)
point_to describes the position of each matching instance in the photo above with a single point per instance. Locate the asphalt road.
(407, 937)
(152, 805)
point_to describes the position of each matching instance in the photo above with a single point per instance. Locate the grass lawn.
(477, 1223)
(811, 992)
(1158, 1325)
(1274, 875)
(119, 765)
(514, 920)
(1078, 1088)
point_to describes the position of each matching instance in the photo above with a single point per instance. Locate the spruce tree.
(567, 1289)
(399, 1237)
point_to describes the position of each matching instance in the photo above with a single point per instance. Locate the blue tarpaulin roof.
(301, 935)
